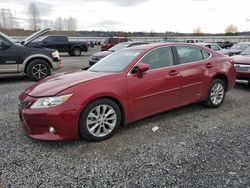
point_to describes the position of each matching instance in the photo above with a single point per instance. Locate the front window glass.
(159, 58)
(246, 51)
(116, 62)
(189, 54)
(215, 48)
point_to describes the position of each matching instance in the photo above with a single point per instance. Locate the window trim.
(175, 58)
(179, 63)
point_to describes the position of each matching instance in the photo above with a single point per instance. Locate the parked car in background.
(215, 47)
(36, 63)
(128, 85)
(242, 65)
(194, 41)
(109, 42)
(225, 44)
(62, 44)
(238, 48)
(99, 55)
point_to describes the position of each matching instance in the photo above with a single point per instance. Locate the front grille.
(242, 69)
(23, 104)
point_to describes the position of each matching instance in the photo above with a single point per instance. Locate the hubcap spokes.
(217, 93)
(77, 52)
(101, 120)
(39, 71)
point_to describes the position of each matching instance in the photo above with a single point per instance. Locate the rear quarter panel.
(222, 67)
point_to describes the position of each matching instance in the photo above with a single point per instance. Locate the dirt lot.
(194, 147)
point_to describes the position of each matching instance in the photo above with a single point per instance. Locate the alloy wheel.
(39, 71)
(217, 93)
(101, 120)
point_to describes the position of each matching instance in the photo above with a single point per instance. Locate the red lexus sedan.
(126, 86)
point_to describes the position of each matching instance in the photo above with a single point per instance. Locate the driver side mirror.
(140, 69)
(4, 45)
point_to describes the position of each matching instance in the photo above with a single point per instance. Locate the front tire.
(216, 94)
(76, 51)
(100, 120)
(38, 70)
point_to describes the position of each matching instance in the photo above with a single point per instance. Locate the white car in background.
(215, 47)
(194, 40)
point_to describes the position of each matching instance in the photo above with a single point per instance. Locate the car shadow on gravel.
(11, 79)
(245, 87)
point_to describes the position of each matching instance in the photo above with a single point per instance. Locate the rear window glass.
(188, 54)
(114, 40)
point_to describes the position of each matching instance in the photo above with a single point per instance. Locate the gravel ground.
(194, 147)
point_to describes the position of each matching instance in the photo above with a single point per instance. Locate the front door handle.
(173, 73)
(209, 65)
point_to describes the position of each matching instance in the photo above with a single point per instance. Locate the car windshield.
(239, 47)
(8, 38)
(118, 47)
(246, 51)
(116, 62)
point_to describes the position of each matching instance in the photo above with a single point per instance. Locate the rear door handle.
(209, 65)
(173, 73)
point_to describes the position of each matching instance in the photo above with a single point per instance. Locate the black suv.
(19, 58)
(62, 44)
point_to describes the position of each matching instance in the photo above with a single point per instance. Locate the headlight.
(55, 54)
(47, 102)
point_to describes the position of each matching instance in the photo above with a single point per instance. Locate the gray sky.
(142, 15)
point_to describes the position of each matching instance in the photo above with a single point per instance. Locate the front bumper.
(242, 81)
(37, 123)
(57, 64)
(242, 73)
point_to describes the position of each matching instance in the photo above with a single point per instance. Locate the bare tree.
(231, 29)
(7, 20)
(58, 26)
(197, 31)
(65, 24)
(72, 24)
(34, 16)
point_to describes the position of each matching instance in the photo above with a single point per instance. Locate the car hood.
(102, 54)
(223, 51)
(53, 85)
(35, 36)
(241, 59)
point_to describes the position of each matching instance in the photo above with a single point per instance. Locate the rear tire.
(216, 94)
(99, 120)
(38, 70)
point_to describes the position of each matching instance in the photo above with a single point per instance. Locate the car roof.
(155, 45)
(152, 46)
(248, 43)
(134, 42)
(205, 43)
